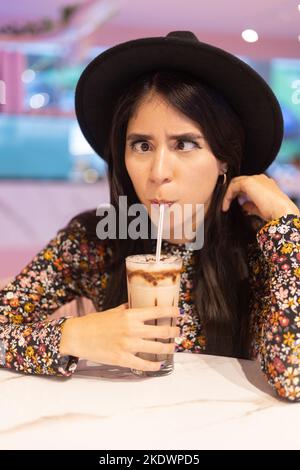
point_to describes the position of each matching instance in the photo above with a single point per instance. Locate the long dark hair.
(221, 276)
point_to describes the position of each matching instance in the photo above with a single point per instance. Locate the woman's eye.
(145, 145)
(189, 142)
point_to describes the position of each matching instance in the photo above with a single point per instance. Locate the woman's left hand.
(264, 197)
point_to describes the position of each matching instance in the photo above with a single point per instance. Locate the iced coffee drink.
(154, 284)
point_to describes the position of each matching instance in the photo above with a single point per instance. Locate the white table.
(208, 402)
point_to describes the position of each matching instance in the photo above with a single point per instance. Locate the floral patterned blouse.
(70, 266)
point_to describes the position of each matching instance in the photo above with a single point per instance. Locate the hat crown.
(188, 35)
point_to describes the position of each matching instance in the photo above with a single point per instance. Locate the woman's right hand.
(114, 336)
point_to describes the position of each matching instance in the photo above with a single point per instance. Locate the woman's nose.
(161, 168)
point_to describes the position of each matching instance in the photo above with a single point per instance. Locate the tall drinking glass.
(154, 284)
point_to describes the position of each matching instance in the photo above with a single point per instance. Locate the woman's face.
(161, 166)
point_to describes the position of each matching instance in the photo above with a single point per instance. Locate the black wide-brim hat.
(106, 77)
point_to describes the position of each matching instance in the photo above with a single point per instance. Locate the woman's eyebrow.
(186, 135)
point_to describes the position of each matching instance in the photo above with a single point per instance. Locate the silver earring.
(224, 178)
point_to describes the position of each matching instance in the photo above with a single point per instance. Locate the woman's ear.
(223, 168)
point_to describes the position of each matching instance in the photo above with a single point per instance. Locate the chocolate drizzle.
(154, 277)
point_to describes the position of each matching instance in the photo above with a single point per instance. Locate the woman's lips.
(155, 202)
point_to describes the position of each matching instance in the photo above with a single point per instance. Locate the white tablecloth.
(208, 402)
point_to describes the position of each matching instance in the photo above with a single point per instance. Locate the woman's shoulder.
(85, 224)
(82, 230)
(84, 221)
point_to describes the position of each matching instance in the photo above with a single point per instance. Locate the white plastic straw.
(159, 235)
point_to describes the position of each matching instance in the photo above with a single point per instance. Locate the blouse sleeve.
(29, 342)
(275, 309)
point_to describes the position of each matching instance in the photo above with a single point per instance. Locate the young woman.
(176, 120)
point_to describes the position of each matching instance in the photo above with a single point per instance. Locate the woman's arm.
(276, 305)
(29, 343)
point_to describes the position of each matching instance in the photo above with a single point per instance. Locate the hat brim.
(105, 78)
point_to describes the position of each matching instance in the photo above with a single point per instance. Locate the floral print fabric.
(71, 266)
(62, 271)
(276, 305)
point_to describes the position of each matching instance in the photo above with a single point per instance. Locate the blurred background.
(48, 172)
